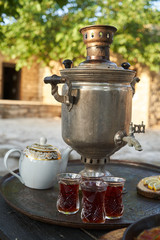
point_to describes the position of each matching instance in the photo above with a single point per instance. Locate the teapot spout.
(65, 157)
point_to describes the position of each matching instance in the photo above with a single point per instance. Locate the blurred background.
(37, 35)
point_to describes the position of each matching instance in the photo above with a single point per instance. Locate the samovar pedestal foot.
(95, 167)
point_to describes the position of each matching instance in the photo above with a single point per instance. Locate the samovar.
(97, 101)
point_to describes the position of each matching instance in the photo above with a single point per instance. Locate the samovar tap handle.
(121, 138)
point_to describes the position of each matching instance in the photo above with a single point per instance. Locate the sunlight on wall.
(140, 102)
(47, 97)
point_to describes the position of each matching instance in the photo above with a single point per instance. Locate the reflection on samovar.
(97, 101)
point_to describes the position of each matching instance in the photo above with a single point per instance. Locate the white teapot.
(39, 164)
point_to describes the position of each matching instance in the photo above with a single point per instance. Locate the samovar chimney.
(98, 39)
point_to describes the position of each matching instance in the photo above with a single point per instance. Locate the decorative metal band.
(94, 161)
(96, 57)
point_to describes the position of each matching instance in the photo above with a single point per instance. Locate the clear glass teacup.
(68, 198)
(93, 196)
(114, 207)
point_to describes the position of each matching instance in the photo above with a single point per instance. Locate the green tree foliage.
(45, 30)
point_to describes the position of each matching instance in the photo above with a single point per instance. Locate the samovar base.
(95, 166)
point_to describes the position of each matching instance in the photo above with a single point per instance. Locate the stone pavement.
(20, 132)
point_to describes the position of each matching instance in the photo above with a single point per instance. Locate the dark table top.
(17, 226)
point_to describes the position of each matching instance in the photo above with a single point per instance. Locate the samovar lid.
(97, 39)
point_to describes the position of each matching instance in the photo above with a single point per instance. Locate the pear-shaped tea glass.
(114, 207)
(93, 195)
(68, 198)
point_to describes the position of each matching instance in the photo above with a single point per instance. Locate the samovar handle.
(133, 83)
(135, 80)
(54, 80)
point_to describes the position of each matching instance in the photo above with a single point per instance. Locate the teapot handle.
(6, 157)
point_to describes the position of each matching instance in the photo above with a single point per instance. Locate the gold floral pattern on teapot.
(42, 151)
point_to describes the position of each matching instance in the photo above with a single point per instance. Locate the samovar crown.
(97, 39)
(98, 34)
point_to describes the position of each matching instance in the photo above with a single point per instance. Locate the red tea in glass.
(113, 197)
(68, 199)
(93, 209)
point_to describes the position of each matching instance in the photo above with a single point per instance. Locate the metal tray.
(41, 204)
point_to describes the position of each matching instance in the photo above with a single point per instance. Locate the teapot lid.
(42, 151)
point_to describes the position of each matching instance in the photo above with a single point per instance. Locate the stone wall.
(154, 100)
(35, 96)
(140, 100)
(30, 82)
(46, 88)
(22, 109)
(37, 101)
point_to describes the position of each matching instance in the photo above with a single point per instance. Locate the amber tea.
(93, 209)
(113, 197)
(68, 199)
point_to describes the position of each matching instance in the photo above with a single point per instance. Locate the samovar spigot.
(130, 139)
(132, 142)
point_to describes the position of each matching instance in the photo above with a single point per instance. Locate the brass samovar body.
(96, 101)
